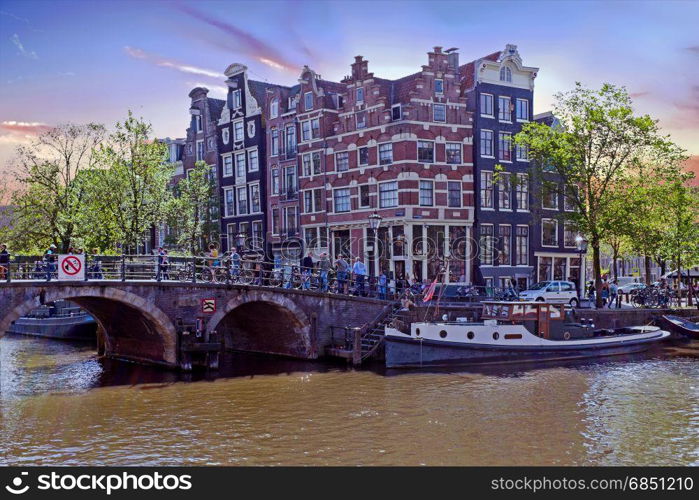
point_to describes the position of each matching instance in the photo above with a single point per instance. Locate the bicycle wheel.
(184, 275)
(206, 275)
(220, 275)
(275, 280)
(246, 277)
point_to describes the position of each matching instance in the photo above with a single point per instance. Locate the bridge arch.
(263, 321)
(135, 329)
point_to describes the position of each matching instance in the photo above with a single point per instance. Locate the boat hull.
(410, 352)
(79, 327)
(680, 326)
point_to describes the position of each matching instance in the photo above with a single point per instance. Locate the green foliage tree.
(598, 146)
(45, 207)
(131, 192)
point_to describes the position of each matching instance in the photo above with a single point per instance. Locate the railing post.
(228, 271)
(86, 268)
(158, 270)
(194, 269)
(357, 347)
(123, 267)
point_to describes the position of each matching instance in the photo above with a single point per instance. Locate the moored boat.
(513, 332)
(680, 326)
(58, 320)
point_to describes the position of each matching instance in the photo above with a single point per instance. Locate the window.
(306, 164)
(522, 152)
(522, 110)
(197, 123)
(275, 142)
(210, 144)
(290, 220)
(386, 153)
(291, 103)
(225, 135)
(363, 156)
(571, 194)
(228, 205)
(257, 234)
(361, 119)
(549, 232)
(276, 229)
(453, 152)
(342, 161)
(505, 74)
(505, 256)
(290, 141)
(504, 191)
(316, 162)
(318, 200)
(439, 86)
(522, 192)
(308, 201)
(236, 101)
(549, 195)
(388, 194)
(505, 146)
(253, 165)
(364, 200)
(440, 112)
(315, 128)
(308, 101)
(340, 101)
(274, 108)
(504, 112)
(396, 112)
(569, 235)
(238, 131)
(425, 151)
(227, 166)
(255, 198)
(487, 244)
(200, 150)
(239, 168)
(487, 143)
(426, 193)
(275, 181)
(486, 189)
(360, 95)
(487, 105)
(290, 181)
(242, 195)
(522, 245)
(306, 131)
(342, 200)
(454, 194)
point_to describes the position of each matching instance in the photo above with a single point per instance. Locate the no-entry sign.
(71, 267)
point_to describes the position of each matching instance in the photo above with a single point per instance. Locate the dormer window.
(439, 86)
(274, 108)
(292, 103)
(308, 101)
(505, 74)
(340, 101)
(197, 123)
(236, 101)
(396, 112)
(360, 95)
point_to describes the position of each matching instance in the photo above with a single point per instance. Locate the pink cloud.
(137, 53)
(27, 128)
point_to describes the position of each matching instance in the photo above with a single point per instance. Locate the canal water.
(61, 405)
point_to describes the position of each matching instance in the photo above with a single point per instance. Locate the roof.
(215, 107)
(468, 73)
(259, 90)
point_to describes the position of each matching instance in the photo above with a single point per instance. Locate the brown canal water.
(61, 405)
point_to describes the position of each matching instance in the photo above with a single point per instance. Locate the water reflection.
(59, 404)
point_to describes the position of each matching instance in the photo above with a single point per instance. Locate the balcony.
(289, 195)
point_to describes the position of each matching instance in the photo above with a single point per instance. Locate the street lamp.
(240, 240)
(581, 244)
(374, 223)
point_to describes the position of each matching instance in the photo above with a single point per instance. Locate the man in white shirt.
(359, 271)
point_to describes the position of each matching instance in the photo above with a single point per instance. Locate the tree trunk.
(615, 257)
(597, 271)
(648, 262)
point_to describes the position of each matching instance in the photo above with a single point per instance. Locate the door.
(543, 321)
(553, 292)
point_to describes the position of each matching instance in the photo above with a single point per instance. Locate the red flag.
(430, 291)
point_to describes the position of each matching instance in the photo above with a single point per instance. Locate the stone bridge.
(138, 320)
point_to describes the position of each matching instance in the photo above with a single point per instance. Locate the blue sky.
(79, 61)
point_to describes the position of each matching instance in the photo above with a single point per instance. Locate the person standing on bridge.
(324, 266)
(50, 259)
(4, 261)
(307, 270)
(359, 271)
(342, 268)
(235, 263)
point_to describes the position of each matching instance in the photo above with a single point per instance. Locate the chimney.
(453, 57)
(360, 68)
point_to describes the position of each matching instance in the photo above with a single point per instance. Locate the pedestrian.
(96, 265)
(307, 270)
(165, 265)
(159, 263)
(605, 293)
(342, 268)
(235, 262)
(591, 293)
(50, 259)
(359, 271)
(324, 266)
(213, 255)
(383, 281)
(613, 291)
(4, 261)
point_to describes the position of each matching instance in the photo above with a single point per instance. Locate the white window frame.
(567, 225)
(504, 115)
(425, 182)
(238, 190)
(337, 161)
(461, 194)
(240, 176)
(492, 105)
(418, 151)
(335, 200)
(357, 122)
(517, 107)
(400, 112)
(252, 186)
(237, 138)
(460, 147)
(543, 197)
(390, 144)
(226, 135)
(501, 150)
(200, 150)
(483, 244)
(521, 152)
(274, 108)
(253, 166)
(359, 98)
(359, 196)
(517, 253)
(504, 193)
(306, 96)
(485, 176)
(359, 156)
(381, 184)
(492, 145)
(434, 112)
(542, 232)
(228, 172)
(226, 190)
(275, 186)
(236, 99)
(522, 191)
(441, 81)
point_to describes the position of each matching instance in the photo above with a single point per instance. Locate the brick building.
(400, 148)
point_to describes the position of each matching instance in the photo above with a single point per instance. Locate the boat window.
(470, 335)
(504, 312)
(513, 336)
(517, 310)
(443, 334)
(417, 332)
(530, 311)
(496, 336)
(555, 312)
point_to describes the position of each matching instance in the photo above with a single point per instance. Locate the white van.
(552, 291)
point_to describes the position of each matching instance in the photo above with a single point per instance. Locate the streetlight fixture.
(374, 223)
(240, 240)
(581, 244)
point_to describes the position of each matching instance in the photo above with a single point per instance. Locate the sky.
(91, 61)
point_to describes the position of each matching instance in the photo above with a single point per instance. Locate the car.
(454, 292)
(630, 287)
(552, 291)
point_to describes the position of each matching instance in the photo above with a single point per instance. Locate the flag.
(430, 291)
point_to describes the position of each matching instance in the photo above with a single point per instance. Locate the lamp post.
(581, 244)
(374, 223)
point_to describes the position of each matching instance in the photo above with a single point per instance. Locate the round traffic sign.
(71, 265)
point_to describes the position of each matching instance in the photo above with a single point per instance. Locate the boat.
(57, 320)
(680, 326)
(512, 332)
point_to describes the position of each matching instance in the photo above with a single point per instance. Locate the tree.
(190, 211)
(131, 191)
(598, 146)
(45, 206)
(682, 225)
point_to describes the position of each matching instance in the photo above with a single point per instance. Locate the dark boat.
(58, 320)
(513, 332)
(680, 326)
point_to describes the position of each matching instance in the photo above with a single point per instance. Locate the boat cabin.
(549, 321)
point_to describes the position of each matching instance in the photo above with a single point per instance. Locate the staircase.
(372, 337)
